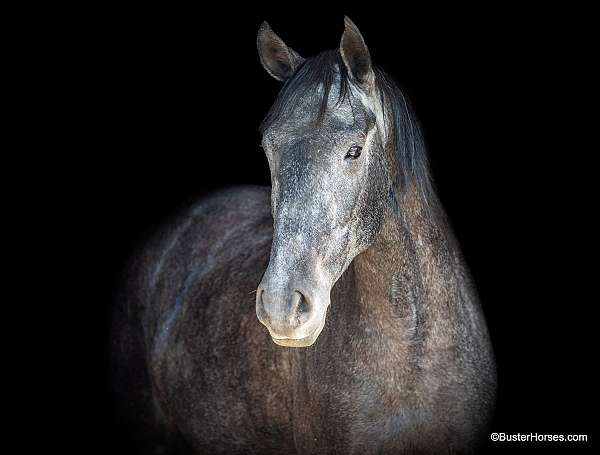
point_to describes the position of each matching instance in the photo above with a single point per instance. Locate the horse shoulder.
(207, 347)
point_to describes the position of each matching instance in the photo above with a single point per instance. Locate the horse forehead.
(339, 108)
(338, 120)
(312, 141)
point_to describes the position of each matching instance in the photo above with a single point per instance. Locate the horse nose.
(284, 314)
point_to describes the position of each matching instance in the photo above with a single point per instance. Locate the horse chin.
(300, 342)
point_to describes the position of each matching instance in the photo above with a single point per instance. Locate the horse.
(364, 334)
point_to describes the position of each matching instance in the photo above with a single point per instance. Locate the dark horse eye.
(354, 152)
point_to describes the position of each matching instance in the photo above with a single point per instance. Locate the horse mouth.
(296, 342)
(299, 342)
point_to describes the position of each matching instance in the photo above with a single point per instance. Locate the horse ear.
(279, 60)
(355, 55)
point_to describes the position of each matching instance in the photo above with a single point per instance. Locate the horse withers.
(371, 338)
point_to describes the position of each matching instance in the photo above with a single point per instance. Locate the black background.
(169, 106)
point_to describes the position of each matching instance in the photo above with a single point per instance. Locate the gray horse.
(371, 338)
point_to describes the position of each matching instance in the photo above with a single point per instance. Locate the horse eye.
(354, 152)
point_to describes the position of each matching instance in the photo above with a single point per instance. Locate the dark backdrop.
(175, 99)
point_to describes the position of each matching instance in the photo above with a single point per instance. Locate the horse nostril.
(300, 306)
(261, 312)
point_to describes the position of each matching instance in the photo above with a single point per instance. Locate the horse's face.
(327, 188)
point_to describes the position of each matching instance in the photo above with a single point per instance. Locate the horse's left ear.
(355, 55)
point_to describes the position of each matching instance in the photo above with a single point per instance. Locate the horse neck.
(399, 279)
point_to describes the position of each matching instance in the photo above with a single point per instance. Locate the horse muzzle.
(294, 319)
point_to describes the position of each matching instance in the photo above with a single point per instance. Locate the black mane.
(407, 139)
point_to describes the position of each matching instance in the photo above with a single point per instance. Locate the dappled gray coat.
(372, 338)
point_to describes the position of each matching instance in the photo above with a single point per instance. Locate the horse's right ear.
(279, 60)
